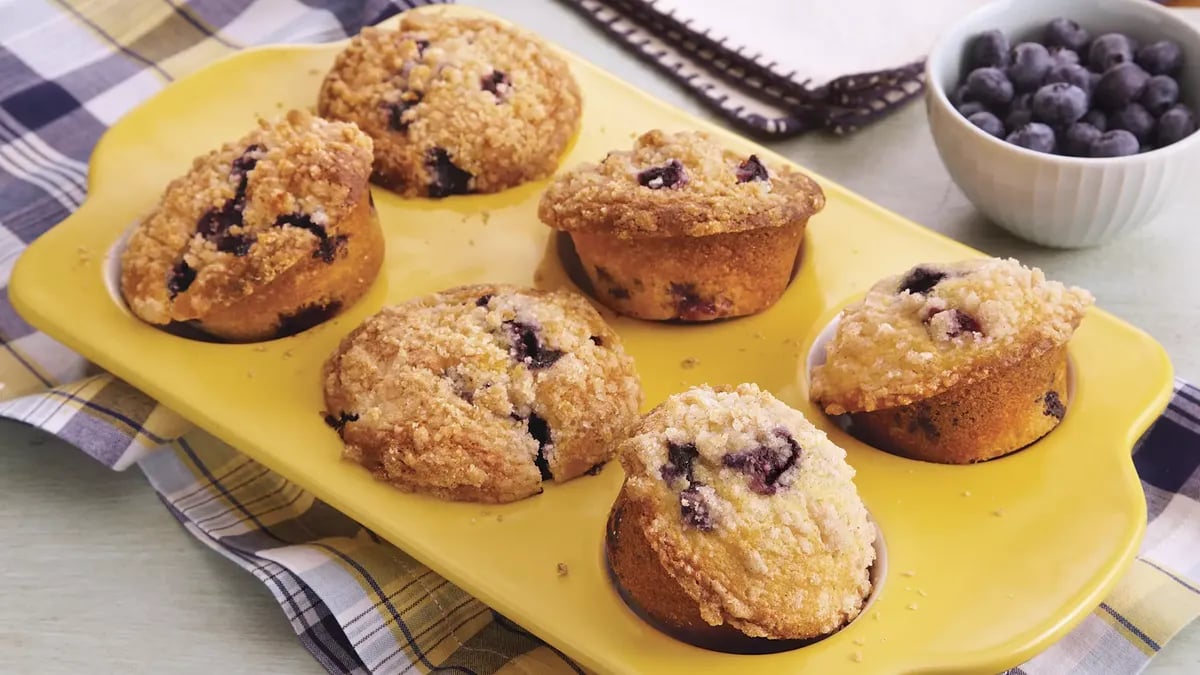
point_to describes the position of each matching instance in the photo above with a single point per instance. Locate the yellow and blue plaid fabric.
(69, 69)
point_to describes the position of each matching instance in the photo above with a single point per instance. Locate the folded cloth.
(358, 604)
(777, 69)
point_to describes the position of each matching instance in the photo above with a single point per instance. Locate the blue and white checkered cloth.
(69, 69)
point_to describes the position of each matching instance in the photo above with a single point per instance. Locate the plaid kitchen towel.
(68, 69)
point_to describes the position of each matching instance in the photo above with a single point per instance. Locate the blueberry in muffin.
(454, 105)
(263, 237)
(738, 519)
(683, 228)
(481, 393)
(953, 362)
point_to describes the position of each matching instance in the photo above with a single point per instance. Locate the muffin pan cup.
(651, 593)
(987, 563)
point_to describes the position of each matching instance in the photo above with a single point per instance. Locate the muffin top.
(244, 214)
(678, 184)
(939, 325)
(481, 392)
(753, 511)
(455, 105)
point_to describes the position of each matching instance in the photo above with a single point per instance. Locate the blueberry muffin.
(454, 105)
(481, 393)
(953, 362)
(264, 237)
(738, 519)
(681, 228)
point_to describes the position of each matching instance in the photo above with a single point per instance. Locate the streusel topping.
(917, 334)
(244, 214)
(682, 183)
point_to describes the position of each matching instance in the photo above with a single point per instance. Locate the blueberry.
(1161, 92)
(396, 112)
(237, 244)
(751, 170)
(1063, 57)
(1134, 119)
(1175, 125)
(1066, 33)
(961, 323)
(920, 280)
(302, 221)
(1109, 50)
(1121, 84)
(988, 122)
(1034, 136)
(1097, 119)
(680, 461)
(1117, 143)
(445, 177)
(496, 83)
(766, 464)
(694, 509)
(526, 347)
(182, 276)
(537, 427)
(1020, 111)
(669, 175)
(339, 421)
(1053, 406)
(690, 305)
(245, 163)
(329, 248)
(1160, 58)
(215, 222)
(960, 96)
(971, 107)
(1030, 63)
(1059, 104)
(1078, 139)
(989, 86)
(988, 50)
(1071, 74)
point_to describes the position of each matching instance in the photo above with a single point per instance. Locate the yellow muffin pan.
(987, 564)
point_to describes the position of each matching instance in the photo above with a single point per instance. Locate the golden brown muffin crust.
(678, 184)
(462, 394)
(936, 326)
(975, 422)
(443, 95)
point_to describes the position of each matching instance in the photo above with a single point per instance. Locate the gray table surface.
(97, 577)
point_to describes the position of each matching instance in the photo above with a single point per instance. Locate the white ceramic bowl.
(1065, 202)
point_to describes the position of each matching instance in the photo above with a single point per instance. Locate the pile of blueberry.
(1074, 95)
